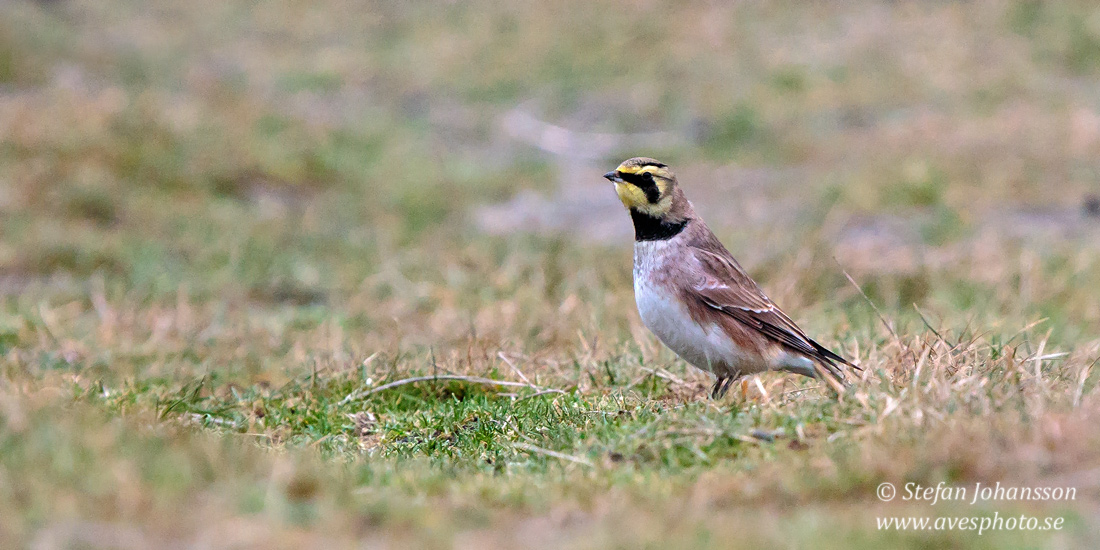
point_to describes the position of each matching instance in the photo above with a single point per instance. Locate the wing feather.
(725, 286)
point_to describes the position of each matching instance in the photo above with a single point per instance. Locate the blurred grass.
(218, 222)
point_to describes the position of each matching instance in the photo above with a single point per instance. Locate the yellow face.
(643, 185)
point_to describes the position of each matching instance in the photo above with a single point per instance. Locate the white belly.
(670, 321)
(706, 347)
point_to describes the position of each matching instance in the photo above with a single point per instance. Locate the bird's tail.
(831, 367)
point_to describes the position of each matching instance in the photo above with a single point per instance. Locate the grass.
(223, 233)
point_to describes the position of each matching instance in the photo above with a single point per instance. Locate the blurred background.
(251, 192)
(278, 152)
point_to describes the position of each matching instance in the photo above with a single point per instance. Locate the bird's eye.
(648, 176)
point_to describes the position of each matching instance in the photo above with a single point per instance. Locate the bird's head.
(645, 186)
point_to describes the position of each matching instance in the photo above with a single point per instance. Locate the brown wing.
(723, 285)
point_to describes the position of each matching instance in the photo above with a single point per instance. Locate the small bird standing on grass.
(697, 299)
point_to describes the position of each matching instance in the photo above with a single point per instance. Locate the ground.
(229, 234)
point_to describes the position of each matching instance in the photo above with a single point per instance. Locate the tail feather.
(833, 364)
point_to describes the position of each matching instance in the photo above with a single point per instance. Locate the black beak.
(613, 176)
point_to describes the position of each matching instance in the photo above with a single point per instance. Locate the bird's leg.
(717, 390)
(722, 385)
(726, 386)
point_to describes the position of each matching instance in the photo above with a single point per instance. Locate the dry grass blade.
(541, 393)
(927, 324)
(553, 454)
(881, 317)
(470, 379)
(514, 368)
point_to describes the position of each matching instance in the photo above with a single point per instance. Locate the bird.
(697, 299)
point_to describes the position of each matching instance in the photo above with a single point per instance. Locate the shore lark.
(697, 299)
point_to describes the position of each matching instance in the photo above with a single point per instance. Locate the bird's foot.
(721, 386)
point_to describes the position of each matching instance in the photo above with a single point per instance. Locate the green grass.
(222, 233)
